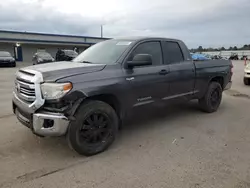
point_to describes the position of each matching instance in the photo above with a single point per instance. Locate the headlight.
(55, 90)
(39, 59)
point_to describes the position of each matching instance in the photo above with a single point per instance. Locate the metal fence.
(228, 53)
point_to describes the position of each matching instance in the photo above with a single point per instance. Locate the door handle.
(163, 72)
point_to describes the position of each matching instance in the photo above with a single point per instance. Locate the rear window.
(44, 55)
(173, 53)
(4, 54)
(70, 53)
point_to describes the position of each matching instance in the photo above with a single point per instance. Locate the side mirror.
(140, 60)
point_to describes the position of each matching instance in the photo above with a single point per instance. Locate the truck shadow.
(145, 118)
(150, 123)
(140, 122)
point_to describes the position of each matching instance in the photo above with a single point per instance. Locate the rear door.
(147, 83)
(182, 71)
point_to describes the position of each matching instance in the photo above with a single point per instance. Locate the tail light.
(231, 70)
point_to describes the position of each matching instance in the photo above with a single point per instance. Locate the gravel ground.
(174, 147)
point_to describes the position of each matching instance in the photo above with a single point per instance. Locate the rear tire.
(246, 81)
(94, 129)
(210, 102)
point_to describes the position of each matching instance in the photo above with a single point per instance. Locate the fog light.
(48, 123)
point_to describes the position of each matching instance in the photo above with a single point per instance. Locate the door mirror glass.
(140, 60)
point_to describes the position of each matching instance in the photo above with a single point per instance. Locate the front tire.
(246, 81)
(13, 64)
(94, 129)
(212, 99)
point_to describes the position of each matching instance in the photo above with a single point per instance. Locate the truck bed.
(212, 63)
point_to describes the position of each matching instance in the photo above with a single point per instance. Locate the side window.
(152, 48)
(172, 52)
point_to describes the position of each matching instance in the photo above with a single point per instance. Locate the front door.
(147, 83)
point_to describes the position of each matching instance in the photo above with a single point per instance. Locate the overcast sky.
(208, 23)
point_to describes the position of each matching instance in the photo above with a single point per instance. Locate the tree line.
(201, 49)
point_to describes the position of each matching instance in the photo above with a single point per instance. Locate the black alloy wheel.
(94, 129)
(246, 81)
(215, 97)
(211, 101)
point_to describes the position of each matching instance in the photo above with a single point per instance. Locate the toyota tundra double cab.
(87, 99)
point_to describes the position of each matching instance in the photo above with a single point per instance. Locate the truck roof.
(137, 38)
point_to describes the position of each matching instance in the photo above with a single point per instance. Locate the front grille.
(25, 89)
(4, 61)
(27, 94)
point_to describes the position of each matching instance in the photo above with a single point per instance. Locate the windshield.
(107, 52)
(70, 53)
(5, 54)
(44, 55)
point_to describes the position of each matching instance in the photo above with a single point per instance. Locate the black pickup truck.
(87, 98)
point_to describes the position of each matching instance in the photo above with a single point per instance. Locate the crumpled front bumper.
(50, 124)
(41, 123)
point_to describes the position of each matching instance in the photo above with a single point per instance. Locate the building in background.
(23, 45)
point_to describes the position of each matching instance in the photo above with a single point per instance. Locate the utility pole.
(101, 31)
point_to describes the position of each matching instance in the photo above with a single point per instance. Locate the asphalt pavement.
(173, 147)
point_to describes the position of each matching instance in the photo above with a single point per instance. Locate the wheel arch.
(219, 79)
(111, 99)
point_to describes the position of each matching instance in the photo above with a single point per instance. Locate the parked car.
(218, 57)
(246, 79)
(208, 56)
(42, 57)
(65, 55)
(244, 57)
(88, 98)
(234, 56)
(6, 59)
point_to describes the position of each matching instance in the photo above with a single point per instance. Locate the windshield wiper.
(87, 62)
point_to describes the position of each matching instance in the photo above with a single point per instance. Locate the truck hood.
(58, 70)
